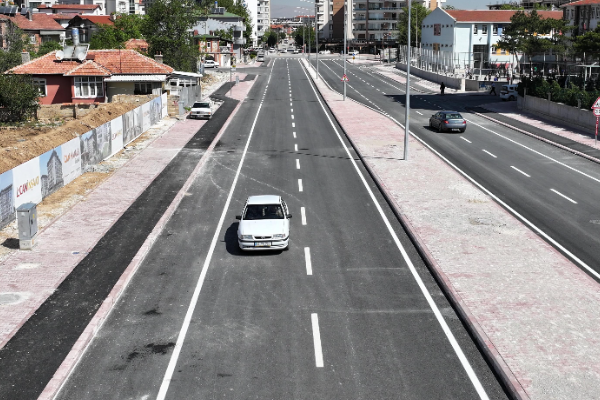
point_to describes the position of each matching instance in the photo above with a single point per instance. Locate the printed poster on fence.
(7, 198)
(27, 183)
(146, 116)
(128, 127)
(116, 135)
(51, 171)
(137, 121)
(155, 111)
(163, 104)
(71, 160)
(103, 135)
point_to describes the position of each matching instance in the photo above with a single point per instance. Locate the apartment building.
(263, 18)
(583, 14)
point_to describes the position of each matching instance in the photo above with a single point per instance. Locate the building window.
(144, 87)
(475, 29)
(122, 7)
(40, 84)
(484, 29)
(88, 86)
(495, 29)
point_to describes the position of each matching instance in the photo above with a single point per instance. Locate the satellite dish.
(60, 55)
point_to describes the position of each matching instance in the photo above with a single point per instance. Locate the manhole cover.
(11, 298)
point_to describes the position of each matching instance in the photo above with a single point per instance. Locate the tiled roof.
(44, 22)
(99, 19)
(70, 6)
(89, 68)
(495, 15)
(136, 44)
(581, 3)
(99, 62)
(63, 15)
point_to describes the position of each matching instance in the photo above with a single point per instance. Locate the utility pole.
(407, 105)
(345, 18)
(317, 38)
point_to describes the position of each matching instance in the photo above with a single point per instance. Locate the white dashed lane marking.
(563, 196)
(518, 170)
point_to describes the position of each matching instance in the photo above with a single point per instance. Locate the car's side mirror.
(289, 215)
(238, 217)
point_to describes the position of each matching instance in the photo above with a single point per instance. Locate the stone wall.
(65, 110)
(559, 112)
(454, 83)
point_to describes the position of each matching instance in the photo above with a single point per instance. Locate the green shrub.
(19, 98)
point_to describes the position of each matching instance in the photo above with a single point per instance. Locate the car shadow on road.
(232, 247)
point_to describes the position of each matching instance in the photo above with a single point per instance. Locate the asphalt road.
(552, 191)
(342, 315)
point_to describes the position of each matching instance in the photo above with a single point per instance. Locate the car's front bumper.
(258, 245)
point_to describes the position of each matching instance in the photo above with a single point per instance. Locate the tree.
(588, 43)
(528, 33)
(19, 98)
(47, 47)
(304, 32)
(417, 15)
(114, 36)
(282, 35)
(17, 42)
(168, 30)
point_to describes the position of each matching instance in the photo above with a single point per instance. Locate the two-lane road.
(348, 312)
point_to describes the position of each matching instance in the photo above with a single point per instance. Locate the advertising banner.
(137, 122)
(163, 105)
(128, 127)
(51, 171)
(71, 160)
(146, 116)
(27, 183)
(116, 135)
(103, 135)
(90, 153)
(7, 199)
(155, 111)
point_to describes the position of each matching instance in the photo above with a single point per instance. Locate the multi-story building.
(263, 18)
(583, 14)
(375, 21)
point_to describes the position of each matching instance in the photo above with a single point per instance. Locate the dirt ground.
(18, 145)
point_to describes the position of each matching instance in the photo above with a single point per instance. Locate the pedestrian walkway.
(533, 312)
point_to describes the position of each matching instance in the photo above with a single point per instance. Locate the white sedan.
(264, 224)
(210, 64)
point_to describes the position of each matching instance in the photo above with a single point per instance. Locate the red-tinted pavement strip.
(534, 313)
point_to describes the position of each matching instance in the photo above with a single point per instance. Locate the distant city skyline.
(292, 8)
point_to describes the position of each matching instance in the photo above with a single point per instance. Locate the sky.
(288, 8)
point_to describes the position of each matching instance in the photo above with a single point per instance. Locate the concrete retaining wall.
(558, 112)
(454, 83)
(61, 111)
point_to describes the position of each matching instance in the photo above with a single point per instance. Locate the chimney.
(25, 57)
(29, 15)
(158, 58)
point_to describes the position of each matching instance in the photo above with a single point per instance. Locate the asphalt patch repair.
(30, 359)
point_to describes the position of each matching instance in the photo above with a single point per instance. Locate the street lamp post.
(407, 105)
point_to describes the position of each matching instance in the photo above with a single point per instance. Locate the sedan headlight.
(278, 236)
(245, 237)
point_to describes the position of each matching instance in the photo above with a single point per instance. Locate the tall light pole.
(317, 38)
(407, 105)
(345, 18)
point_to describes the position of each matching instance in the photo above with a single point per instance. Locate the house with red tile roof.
(137, 44)
(466, 39)
(99, 76)
(583, 14)
(38, 27)
(210, 48)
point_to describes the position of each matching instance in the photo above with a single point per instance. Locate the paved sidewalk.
(533, 312)
(27, 278)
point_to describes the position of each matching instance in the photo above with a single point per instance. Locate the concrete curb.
(500, 367)
(533, 135)
(53, 387)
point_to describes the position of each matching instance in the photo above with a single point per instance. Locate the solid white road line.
(303, 213)
(297, 164)
(166, 381)
(465, 139)
(485, 151)
(563, 196)
(308, 261)
(295, 147)
(436, 311)
(518, 170)
(300, 188)
(317, 340)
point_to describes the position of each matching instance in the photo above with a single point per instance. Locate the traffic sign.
(597, 112)
(345, 78)
(596, 103)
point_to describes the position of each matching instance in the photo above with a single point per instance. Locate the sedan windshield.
(267, 211)
(201, 105)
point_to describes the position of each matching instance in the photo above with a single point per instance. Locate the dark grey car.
(448, 121)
